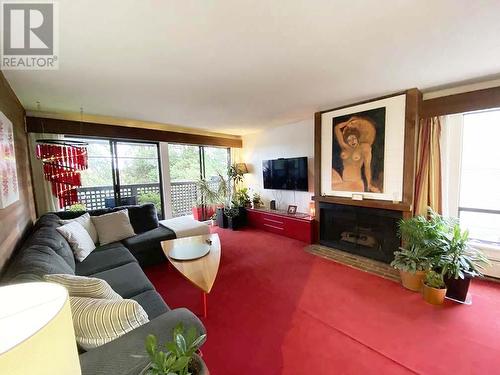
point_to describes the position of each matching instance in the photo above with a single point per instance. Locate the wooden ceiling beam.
(461, 103)
(87, 129)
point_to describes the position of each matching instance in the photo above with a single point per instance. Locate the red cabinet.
(298, 226)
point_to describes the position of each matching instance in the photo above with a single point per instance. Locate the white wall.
(291, 140)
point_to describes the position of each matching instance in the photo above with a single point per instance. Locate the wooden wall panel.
(58, 126)
(460, 103)
(16, 219)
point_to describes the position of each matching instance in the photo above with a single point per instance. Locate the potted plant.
(434, 289)
(180, 357)
(256, 200)
(412, 264)
(460, 262)
(420, 238)
(232, 215)
(215, 194)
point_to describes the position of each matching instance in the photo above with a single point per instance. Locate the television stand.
(299, 226)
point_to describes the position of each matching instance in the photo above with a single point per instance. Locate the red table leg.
(204, 302)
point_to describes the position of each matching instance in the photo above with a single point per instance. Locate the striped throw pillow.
(81, 286)
(98, 321)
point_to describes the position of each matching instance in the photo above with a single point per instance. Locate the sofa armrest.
(127, 354)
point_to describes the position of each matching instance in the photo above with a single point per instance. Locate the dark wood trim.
(460, 103)
(413, 104)
(317, 168)
(365, 101)
(57, 126)
(372, 203)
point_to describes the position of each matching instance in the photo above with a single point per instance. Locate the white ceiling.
(241, 66)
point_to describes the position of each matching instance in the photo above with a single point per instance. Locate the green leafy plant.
(423, 232)
(241, 198)
(231, 212)
(150, 197)
(458, 259)
(214, 192)
(411, 259)
(235, 175)
(179, 352)
(421, 241)
(434, 279)
(256, 200)
(77, 207)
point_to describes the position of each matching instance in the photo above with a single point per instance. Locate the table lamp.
(242, 168)
(36, 331)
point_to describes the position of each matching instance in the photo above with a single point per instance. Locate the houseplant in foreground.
(412, 264)
(180, 357)
(434, 288)
(420, 249)
(459, 261)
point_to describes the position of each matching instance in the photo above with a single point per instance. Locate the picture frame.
(292, 210)
(362, 149)
(9, 189)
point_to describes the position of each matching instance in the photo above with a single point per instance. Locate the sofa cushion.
(109, 319)
(31, 263)
(152, 303)
(127, 280)
(104, 258)
(50, 237)
(113, 227)
(146, 247)
(142, 217)
(83, 286)
(78, 238)
(87, 223)
(47, 220)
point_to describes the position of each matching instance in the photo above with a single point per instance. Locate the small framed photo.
(292, 210)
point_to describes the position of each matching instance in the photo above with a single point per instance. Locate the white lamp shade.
(36, 331)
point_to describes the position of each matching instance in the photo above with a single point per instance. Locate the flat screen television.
(285, 174)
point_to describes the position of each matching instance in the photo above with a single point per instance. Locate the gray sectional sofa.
(46, 252)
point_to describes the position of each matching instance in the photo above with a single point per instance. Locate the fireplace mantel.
(372, 203)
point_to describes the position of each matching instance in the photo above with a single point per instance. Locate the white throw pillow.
(86, 223)
(98, 321)
(113, 227)
(78, 238)
(81, 286)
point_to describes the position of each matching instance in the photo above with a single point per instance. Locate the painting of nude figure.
(358, 151)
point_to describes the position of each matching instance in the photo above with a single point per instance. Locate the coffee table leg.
(204, 302)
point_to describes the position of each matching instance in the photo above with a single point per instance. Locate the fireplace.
(369, 232)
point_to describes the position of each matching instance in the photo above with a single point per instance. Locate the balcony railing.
(184, 195)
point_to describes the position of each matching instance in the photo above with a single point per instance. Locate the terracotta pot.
(412, 281)
(433, 295)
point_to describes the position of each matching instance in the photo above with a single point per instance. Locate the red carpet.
(276, 309)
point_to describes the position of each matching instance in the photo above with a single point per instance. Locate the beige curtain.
(44, 199)
(428, 174)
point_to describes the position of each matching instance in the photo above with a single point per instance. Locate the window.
(187, 164)
(479, 198)
(120, 173)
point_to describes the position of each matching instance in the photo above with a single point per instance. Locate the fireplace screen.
(359, 230)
